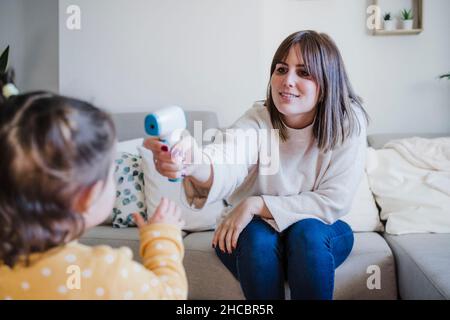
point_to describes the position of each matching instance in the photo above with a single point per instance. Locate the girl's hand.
(166, 212)
(227, 234)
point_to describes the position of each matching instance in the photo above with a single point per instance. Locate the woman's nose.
(289, 79)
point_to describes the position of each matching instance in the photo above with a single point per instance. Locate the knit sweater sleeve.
(161, 274)
(333, 196)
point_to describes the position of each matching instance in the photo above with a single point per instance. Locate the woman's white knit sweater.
(298, 182)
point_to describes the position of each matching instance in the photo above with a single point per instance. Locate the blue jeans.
(306, 254)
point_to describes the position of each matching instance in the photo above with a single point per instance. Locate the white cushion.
(412, 199)
(363, 215)
(131, 147)
(157, 186)
(130, 197)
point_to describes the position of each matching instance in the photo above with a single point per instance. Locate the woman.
(284, 225)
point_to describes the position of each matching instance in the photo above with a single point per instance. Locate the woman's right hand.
(177, 162)
(167, 212)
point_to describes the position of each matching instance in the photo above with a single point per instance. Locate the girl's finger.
(139, 220)
(162, 206)
(171, 208)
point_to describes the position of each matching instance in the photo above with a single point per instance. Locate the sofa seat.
(208, 278)
(423, 264)
(114, 237)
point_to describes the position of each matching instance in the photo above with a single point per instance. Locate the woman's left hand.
(227, 234)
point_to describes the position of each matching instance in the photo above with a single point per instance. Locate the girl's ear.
(87, 197)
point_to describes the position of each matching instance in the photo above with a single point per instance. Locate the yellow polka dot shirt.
(76, 271)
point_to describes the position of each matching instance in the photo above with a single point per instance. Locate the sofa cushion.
(423, 264)
(130, 198)
(363, 215)
(370, 252)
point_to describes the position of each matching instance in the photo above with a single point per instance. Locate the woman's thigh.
(258, 243)
(313, 234)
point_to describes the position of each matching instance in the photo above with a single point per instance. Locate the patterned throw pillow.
(130, 198)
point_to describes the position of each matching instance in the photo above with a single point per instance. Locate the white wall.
(145, 54)
(30, 28)
(201, 54)
(395, 75)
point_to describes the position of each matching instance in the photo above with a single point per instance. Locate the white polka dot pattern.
(87, 273)
(128, 295)
(109, 259)
(100, 292)
(46, 272)
(71, 258)
(154, 282)
(25, 285)
(62, 289)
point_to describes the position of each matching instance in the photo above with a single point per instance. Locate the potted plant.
(7, 86)
(388, 23)
(407, 19)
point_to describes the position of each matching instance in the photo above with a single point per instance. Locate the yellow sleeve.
(162, 274)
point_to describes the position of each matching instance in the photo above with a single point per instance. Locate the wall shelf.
(382, 32)
(389, 6)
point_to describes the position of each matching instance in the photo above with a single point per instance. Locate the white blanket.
(410, 179)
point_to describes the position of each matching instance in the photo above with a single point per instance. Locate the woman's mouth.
(287, 96)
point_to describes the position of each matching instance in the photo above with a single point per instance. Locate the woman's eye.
(303, 73)
(281, 70)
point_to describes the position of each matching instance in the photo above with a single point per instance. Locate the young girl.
(285, 225)
(56, 171)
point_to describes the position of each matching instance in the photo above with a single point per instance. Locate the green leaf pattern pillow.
(130, 198)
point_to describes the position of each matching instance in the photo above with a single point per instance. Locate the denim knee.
(309, 233)
(258, 237)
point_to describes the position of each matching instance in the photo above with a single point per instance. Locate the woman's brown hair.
(52, 149)
(336, 118)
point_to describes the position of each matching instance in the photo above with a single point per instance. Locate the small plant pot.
(388, 25)
(407, 24)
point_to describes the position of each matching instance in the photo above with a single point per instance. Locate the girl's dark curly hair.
(53, 148)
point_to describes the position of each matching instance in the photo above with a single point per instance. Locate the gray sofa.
(413, 266)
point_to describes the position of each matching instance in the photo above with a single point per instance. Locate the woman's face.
(293, 91)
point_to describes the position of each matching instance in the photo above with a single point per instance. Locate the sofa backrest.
(377, 141)
(131, 125)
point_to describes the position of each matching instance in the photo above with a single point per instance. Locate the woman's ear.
(87, 197)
